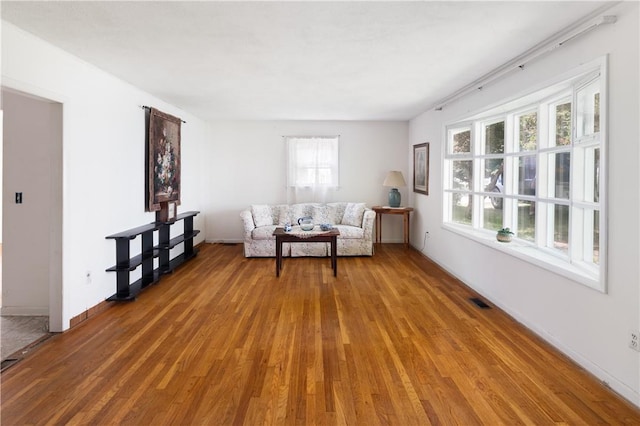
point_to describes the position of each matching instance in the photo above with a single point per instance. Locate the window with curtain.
(312, 167)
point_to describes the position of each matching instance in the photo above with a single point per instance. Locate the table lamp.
(394, 179)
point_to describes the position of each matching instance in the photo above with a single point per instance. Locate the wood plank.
(392, 340)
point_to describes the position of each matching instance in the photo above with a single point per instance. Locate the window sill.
(528, 253)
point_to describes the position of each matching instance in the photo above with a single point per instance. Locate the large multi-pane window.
(534, 167)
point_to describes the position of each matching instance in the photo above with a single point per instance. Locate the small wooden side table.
(380, 210)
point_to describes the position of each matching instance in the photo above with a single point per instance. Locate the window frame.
(582, 261)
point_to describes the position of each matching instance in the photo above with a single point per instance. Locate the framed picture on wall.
(421, 168)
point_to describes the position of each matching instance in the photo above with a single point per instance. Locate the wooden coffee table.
(330, 236)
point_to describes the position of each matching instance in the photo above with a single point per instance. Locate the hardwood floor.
(392, 340)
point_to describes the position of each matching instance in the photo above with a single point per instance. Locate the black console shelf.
(126, 290)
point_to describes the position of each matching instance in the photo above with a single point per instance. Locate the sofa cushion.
(353, 214)
(262, 215)
(296, 211)
(324, 214)
(348, 231)
(263, 233)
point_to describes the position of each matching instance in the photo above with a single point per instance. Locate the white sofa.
(353, 220)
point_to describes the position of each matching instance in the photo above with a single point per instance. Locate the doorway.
(31, 209)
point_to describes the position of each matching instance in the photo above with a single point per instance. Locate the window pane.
(596, 112)
(462, 175)
(595, 167)
(493, 180)
(492, 216)
(461, 208)
(305, 177)
(528, 131)
(461, 142)
(561, 228)
(324, 176)
(561, 174)
(494, 138)
(563, 124)
(588, 109)
(493, 168)
(527, 175)
(596, 237)
(526, 220)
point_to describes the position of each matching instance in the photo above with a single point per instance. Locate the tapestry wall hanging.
(163, 160)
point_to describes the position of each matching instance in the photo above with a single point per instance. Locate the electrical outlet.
(88, 278)
(633, 340)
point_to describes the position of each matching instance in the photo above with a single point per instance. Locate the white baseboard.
(224, 241)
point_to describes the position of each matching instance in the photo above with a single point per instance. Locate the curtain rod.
(149, 108)
(579, 28)
(317, 137)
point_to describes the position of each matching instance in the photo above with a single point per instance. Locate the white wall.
(589, 326)
(1, 160)
(103, 162)
(246, 165)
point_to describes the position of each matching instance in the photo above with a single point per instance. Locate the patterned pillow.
(339, 210)
(296, 211)
(353, 214)
(324, 214)
(261, 215)
(283, 215)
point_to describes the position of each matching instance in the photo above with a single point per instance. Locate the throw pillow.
(261, 215)
(353, 214)
(296, 211)
(283, 215)
(324, 214)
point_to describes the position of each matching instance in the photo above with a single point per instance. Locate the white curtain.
(312, 168)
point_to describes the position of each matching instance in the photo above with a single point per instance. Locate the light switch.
(18, 197)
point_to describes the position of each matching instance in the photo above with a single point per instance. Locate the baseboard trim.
(78, 319)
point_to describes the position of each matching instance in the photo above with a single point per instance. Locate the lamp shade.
(394, 179)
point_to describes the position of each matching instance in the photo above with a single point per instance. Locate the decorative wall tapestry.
(163, 160)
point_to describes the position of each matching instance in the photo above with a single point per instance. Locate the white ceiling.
(297, 60)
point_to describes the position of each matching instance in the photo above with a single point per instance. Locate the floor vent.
(8, 363)
(480, 303)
